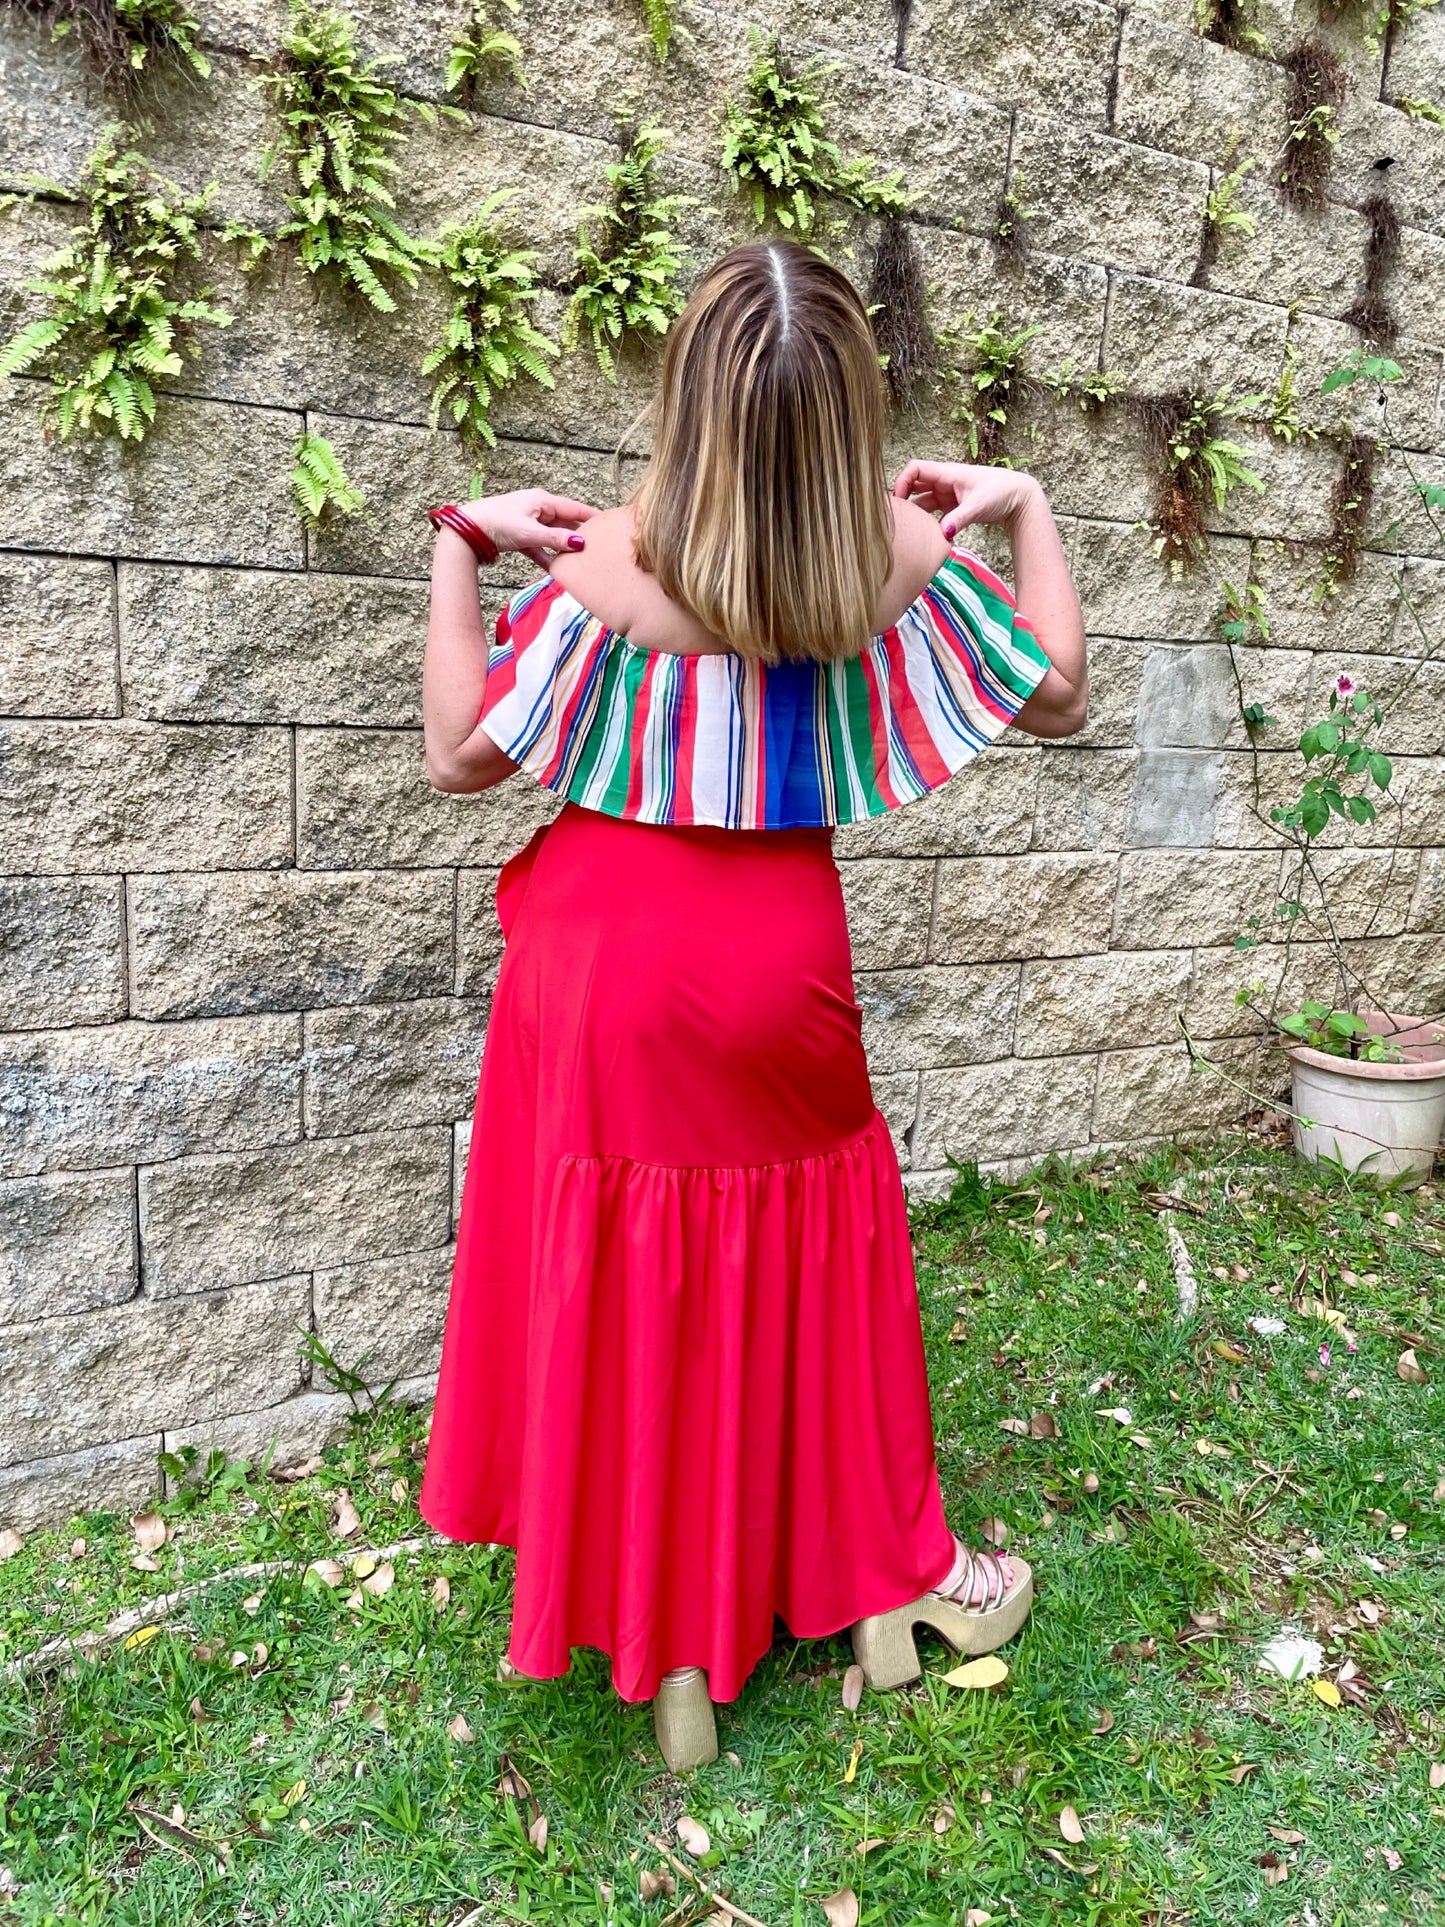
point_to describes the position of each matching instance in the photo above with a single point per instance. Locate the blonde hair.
(764, 510)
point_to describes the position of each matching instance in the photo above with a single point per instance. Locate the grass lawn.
(279, 1750)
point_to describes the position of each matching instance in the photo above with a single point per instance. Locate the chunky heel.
(884, 1647)
(683, 1719)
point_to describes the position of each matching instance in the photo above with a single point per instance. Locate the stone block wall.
(246, 953)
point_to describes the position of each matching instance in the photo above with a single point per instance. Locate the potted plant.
(1368, 1082)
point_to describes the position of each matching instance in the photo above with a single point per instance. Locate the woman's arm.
(962, 494)
(460, 756)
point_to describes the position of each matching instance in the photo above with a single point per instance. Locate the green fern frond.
(487, 47)
(658, 19)
(121, 310)
(626, 261)
(319, 484)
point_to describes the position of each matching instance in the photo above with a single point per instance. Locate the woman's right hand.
(966, 492)
(530, 521)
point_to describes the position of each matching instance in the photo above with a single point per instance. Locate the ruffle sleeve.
(740, 744)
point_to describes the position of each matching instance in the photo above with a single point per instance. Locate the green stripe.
(1018, 666)
(614, 797)
(855, 722)
(597, 729)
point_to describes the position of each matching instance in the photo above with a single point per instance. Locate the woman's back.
(606, 579)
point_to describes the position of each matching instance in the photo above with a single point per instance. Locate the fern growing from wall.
(490, 340)
(320, 486)
(339, 125)
(122, 307)
(777, 151)
(624, 279)
(122, 41)
(486, 47)
(659, 19)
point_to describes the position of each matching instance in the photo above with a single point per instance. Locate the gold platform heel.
(884, 1645)
(683, 1719)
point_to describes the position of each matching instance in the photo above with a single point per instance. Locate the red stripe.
(637, 728)
(686, 737)
(878, 721)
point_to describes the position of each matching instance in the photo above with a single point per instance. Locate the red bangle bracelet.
(449, 516)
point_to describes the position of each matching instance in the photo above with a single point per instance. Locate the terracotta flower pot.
(1384, 1120)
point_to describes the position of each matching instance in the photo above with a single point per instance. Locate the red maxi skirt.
(683, 1372)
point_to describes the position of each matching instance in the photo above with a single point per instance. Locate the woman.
(683, 1372)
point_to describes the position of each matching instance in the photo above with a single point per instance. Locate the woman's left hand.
(530, 521)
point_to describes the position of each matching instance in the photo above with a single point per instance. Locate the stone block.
(46, 1492)
(235, 941)
(950, 147)
(57, 638)
(1116, 665)
(1095, 466)
(995, 908)
(1270, 972)
(1294, 503)
(1174, 799)
(1126, 591)
(1084, 798)
(1188, 698)
(208, 1222)
(210, 483)
(1326, 345)
(1355, 893)
(85, 1098)
(1360, 616)
(137, 1369)
(404, 470)
(1173, 338)
(920, 1019)
(896, 1095)
(1094, 1003)
(247, 646)
(1379, 142)
(67, 1244)
(1159, 1091)
(104, 796)
(276, 1436)
(60, 951)
(1169, 899)
(1063, 299)
(374, 1067)
(890, 903)
(1412, 633)
(1427, 912)
(1188, 96)
(52, 116)
(1415, 58)
(1310, 258)
(1056, 54)
(1399, 522)
(384, 1319)
(479, 934)
(1250, 787)
(364, 799)
(1107, 200)
(1011, 1109)
(1405, 974)
(987, 808)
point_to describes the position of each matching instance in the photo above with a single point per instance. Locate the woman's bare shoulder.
(606, 578)
(919, 549)
(606, 561)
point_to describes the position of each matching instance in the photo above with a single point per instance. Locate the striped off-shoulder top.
(740, 744)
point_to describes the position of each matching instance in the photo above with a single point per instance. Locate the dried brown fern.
(899, 304)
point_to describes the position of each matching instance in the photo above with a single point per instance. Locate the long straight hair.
(764, 510)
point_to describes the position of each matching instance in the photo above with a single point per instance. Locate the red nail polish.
(575, 542)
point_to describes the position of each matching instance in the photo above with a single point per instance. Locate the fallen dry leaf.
(654, 1881)
(458, 1730)
(400, 1491)
(990, 1670)
(995, 1531)
(381, 1581)
(1437, 1774)
(514, 1784)
(537, 1833)
(1043, 1426)
(693, 1836)
(441, 1591)
(303, 1468)
(841, 1908)
(866, 1846)
(1062, 1860)
(150, 1531)
(1120, 1414)
(1106, 1721)
(251, 1604)
(1071, 1827)
(1237, 1773)
(944, 1818)
(143, 1562)
(11, 1542)
(850, 1772)
(1326, 1690)
(1409, 1369)
(1289, 1835)
(362, 1565)
(977, 1917)
(1018, 1426)
(852, 1689)
(330, 1572)
(142, 1634)
(1090, 1482)
(1275, 1871)
(346, 1519)
(1368, 1611)
(1391, 1859)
